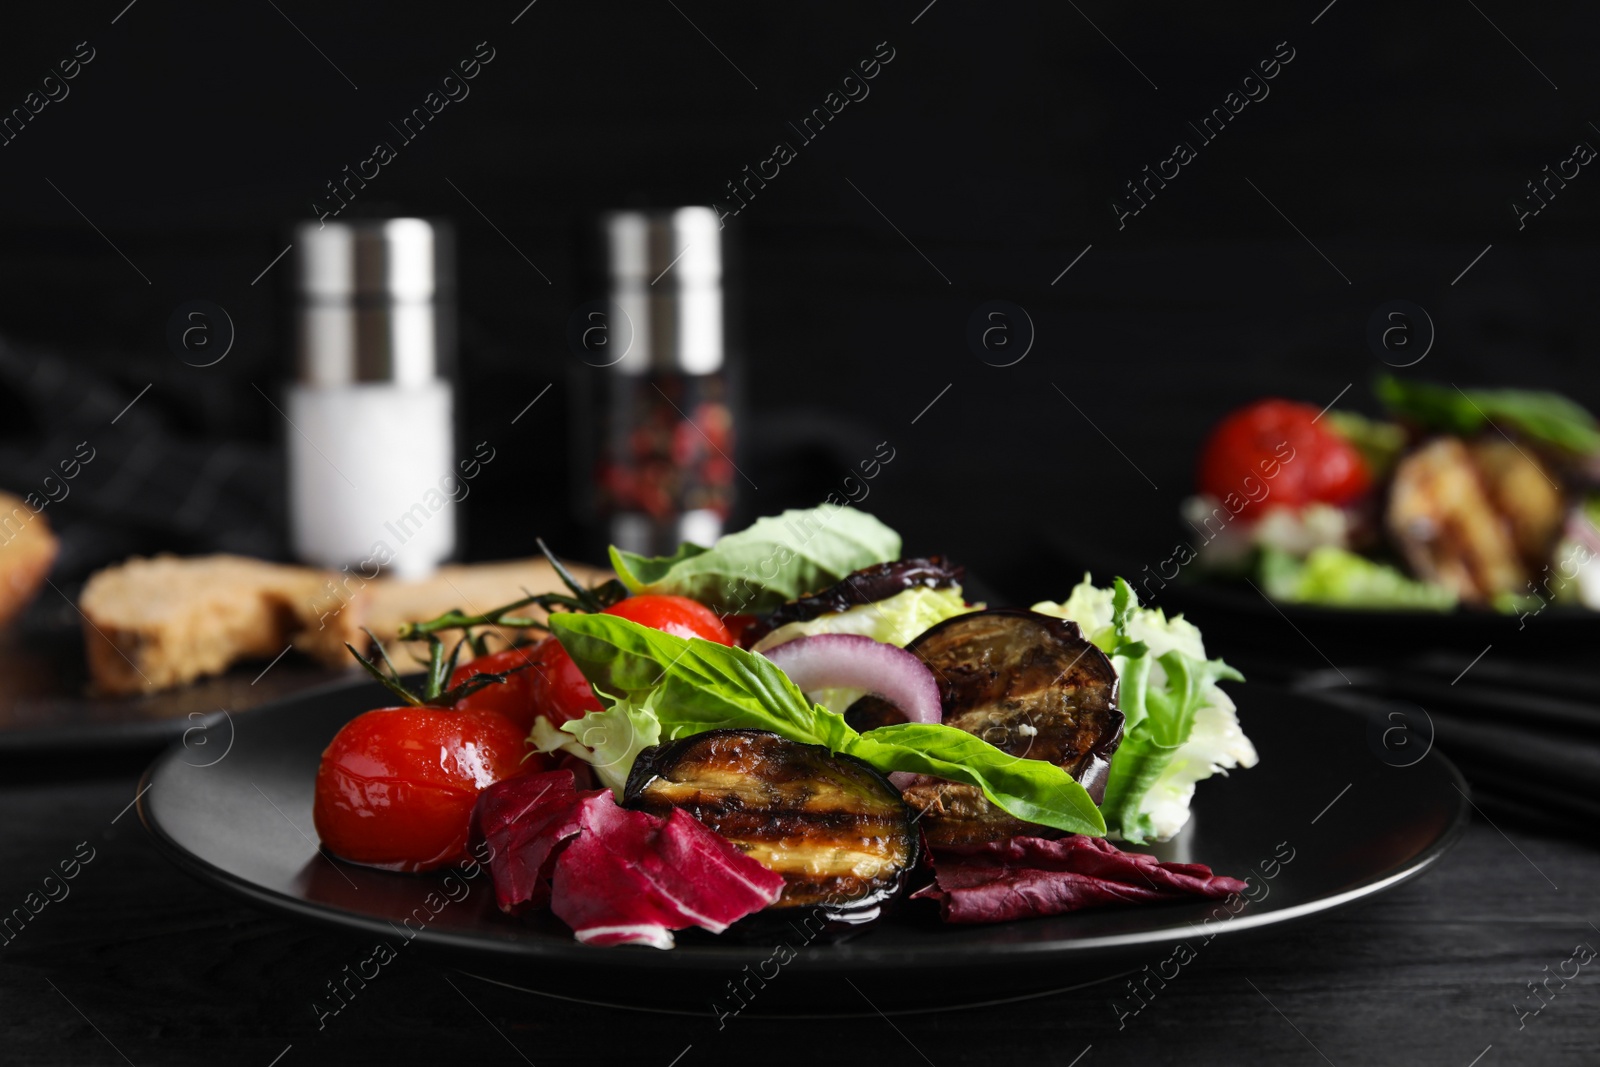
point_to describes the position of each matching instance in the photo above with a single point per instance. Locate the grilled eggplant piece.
(1029, 684)
(1526, 493)
(835, 828)
(878, 582)
(1443, 518)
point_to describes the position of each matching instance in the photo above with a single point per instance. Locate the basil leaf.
(1547, 417)
(693, 685)
(697, 685)
(1032, 790)
(773, 561)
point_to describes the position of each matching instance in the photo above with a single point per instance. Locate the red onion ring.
(852, 661)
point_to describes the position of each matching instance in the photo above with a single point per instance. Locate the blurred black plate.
(1353, 824)
(46, 704)
(1272, 640)
(1238, 617)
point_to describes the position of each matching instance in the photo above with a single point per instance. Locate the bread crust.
(28, 549)
(165, 621)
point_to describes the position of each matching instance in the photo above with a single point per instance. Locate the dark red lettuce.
(518, 827)
(632, 878)
(615, 876)
(1028, 877)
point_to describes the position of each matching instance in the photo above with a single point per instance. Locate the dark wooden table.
(135, 962)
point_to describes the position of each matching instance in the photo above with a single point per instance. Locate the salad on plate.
(1486, 499)
(793, 723)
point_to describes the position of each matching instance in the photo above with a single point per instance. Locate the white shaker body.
(371, 475)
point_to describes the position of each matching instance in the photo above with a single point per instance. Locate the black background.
(995, 141)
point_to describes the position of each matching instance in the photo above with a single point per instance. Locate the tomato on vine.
(513, 698)
(396, 786)
(549, 684)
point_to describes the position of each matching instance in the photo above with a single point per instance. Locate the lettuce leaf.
(1180, 727)
(690, 686)
(897, 620)
(608, 740)
(772, 561)
(1340, 578)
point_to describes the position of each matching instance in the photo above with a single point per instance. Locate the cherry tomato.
(1274, 452)
(676, 615)
(561, 692)
(737, 626)
(396, 786)
(512, 698)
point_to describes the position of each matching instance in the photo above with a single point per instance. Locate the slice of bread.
(27, 551)
(155, 623)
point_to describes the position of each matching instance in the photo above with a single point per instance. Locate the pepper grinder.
(372, 441)
(655, 392)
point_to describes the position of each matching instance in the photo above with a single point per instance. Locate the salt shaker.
(371, 445)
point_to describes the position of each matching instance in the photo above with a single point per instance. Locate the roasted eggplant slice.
(865, 586)
(1526, 492)
(835, 828)
(1030, 685)
(1443, 518)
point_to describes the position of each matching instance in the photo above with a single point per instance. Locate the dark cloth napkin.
(126, 466)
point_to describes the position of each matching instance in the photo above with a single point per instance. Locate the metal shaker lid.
(664, 272)
(367, 292)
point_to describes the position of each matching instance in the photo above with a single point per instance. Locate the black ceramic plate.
(1326, 818)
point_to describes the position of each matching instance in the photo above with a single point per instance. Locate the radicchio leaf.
(1027, 877)
(615, 876)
